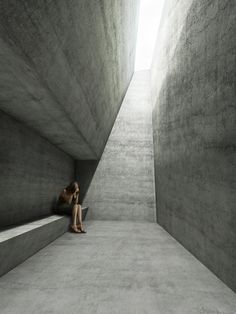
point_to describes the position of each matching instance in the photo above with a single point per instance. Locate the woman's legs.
(74, 217)
(79, 216)
(71, 210)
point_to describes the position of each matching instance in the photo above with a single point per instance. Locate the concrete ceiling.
(65, 68)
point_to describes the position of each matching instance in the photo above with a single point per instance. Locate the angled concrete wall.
(194, 119)
(84, 172)
(65, 68)
(33, 172)
(123, 184)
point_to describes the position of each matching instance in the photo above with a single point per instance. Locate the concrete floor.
(117, 267)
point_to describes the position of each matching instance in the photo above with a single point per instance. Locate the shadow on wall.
(84, 172)
(194, 143)
(33, 171)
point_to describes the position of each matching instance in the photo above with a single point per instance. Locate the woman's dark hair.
(71, 188)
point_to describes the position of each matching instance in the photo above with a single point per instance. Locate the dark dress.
(64, 208)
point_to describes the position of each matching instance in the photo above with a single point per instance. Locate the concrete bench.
(19, 243)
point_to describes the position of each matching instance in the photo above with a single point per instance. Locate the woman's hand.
(76, 198)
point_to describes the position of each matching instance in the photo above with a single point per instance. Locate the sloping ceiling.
(65, 68)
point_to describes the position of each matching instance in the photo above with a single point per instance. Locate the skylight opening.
(149, 20)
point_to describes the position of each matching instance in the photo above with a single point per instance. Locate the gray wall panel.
(194, 121)
(122, 187)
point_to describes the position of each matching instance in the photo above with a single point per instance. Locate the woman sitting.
(68, 204)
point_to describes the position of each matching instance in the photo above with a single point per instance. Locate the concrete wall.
(123, 185)
(65, 68)
(33, 172)
(194, 120)
(84, 172)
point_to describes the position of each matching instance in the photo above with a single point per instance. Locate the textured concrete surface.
(65, 68)
(33, 172)
(117, 267)
(123, 184)
(194, 120)
(84, 172)
(19, 243)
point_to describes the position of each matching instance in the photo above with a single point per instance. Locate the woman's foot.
(81, 229)
(75, 229)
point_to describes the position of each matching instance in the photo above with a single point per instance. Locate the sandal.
(75, 230)
(81, 230)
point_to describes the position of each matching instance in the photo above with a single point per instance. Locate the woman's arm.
(65, 197)
(76, 198)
